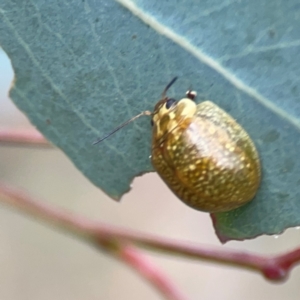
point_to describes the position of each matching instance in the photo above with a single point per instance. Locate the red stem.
(144, 267)
(23, 138)
(272, 267)
(80, 227)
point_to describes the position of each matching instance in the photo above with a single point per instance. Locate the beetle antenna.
(144, 113)
(168, 86)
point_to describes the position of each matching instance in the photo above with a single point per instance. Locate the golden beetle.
(204, 156)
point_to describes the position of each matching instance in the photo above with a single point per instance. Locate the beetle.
(203, 155)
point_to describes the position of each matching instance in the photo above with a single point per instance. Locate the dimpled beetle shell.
(204, 156)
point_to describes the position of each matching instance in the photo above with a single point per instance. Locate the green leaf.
(82, 68)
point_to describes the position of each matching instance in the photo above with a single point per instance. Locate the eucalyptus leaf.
(83, 67)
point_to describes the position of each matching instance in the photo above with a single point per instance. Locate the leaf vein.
(55, 88)
(207, 60)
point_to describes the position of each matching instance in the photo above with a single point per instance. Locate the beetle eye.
(170, 102)
(191, 94)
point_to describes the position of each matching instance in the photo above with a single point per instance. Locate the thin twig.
(151, 273)
(22, 137)
(124, 252)
(272, 267)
